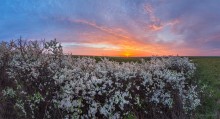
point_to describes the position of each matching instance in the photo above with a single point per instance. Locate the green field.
(208, 73)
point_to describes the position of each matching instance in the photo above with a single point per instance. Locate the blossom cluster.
(45, 82)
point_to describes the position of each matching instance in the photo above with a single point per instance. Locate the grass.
(208, 73)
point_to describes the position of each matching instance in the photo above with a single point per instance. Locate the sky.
(117, 27)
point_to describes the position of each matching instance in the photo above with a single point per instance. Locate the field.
(208, 72)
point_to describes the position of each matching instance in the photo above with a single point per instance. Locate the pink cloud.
(116, 32)
(125, 41)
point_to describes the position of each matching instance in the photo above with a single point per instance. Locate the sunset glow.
(116, 27)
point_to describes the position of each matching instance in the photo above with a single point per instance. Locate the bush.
(39, 81)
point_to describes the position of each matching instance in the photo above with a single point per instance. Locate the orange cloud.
(155, 27)
(116, 42)
(156, 24)
(108, 45)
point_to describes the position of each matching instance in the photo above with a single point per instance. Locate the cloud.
(136, 27)
(199, 21)
(115, 32)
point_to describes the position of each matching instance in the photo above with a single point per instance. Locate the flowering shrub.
(45, 83)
